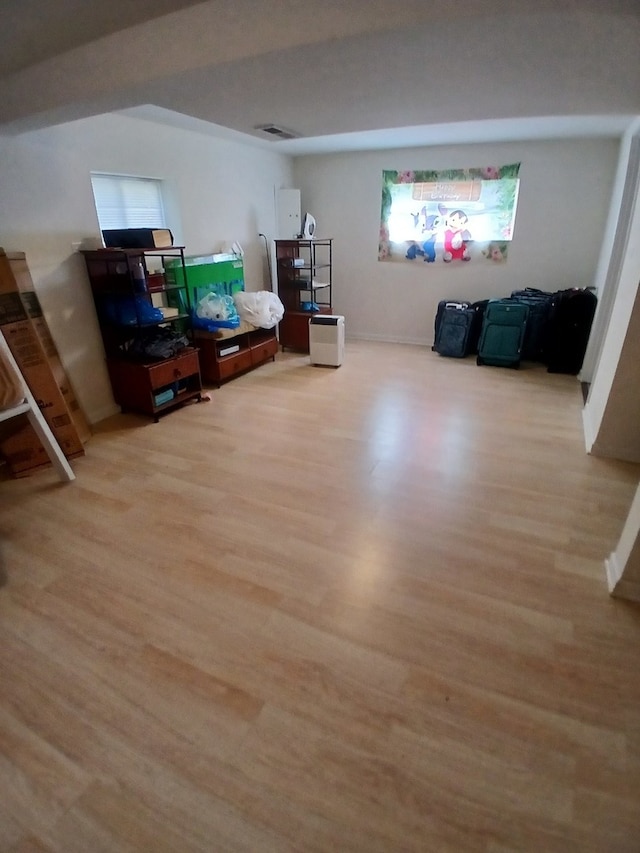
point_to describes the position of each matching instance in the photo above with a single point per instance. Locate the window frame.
(131, 205)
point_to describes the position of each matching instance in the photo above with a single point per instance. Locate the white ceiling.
(341, 75)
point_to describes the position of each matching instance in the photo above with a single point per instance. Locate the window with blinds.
(123, 201)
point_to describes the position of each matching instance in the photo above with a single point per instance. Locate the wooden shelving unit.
(305, 285)
(222, 359)
(132, 304)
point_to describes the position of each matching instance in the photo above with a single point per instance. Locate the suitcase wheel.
(479, 360)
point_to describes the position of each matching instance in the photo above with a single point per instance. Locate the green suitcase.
(502, 335)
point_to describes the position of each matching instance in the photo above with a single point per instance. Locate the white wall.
(217, 191)
(615, 243)
(623, 565)
(564, 199)
(612, 410)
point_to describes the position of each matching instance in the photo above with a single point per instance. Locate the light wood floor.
(353, 609)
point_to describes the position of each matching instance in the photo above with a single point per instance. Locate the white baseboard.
(588, 428)
(618, 586)
(613, 570)
(384, 339)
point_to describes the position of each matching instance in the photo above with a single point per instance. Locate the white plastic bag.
(263, 308)
(216, 307)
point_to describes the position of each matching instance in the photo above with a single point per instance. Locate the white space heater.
(326, 339)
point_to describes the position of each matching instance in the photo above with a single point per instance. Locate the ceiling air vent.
(277, 132)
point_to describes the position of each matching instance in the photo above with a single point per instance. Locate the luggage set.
(530, 325)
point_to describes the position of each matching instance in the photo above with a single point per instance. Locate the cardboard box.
(11, 386)
(22, 450)
(23, 454)
(31, 303)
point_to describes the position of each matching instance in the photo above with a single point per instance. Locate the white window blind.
(123, 201)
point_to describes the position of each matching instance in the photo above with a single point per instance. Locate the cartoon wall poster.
(455, 216)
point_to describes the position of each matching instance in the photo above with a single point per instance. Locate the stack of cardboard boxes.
(27, 334)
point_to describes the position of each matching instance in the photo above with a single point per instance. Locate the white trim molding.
(623, 565)
(618, 586)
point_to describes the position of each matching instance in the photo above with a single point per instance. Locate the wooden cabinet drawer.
(176, 368)
(232, 364)
(256, 347)
(264, 350)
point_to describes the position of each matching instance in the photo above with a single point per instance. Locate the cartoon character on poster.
(413, 246)
(456, 236)
(425, 247)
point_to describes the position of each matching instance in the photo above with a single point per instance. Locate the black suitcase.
(479, 309)
(502, 335)
(536, 333)
(457, 328)
(442, 307)
(572, 313)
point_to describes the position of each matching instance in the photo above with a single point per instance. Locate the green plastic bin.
(206, 275)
